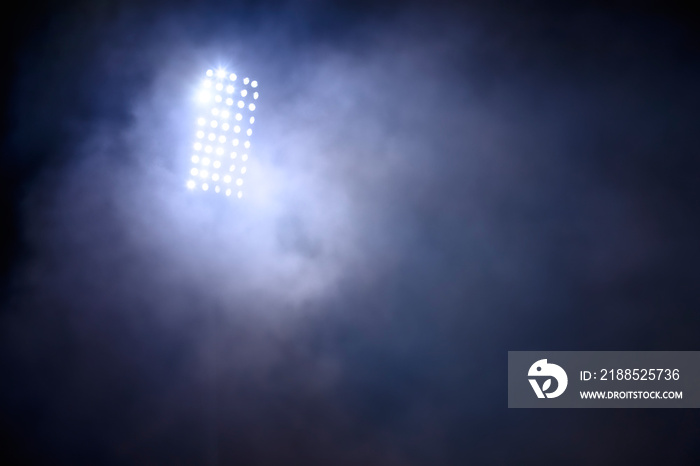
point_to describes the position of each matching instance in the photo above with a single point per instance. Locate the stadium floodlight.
(222, 132)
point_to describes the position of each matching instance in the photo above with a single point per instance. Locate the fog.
(426, 191)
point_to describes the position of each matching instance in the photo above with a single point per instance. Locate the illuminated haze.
(426, 190)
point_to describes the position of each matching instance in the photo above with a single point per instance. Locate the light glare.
(203, 96)
(211, 92)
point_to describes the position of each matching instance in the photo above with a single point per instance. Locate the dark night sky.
(431, 186)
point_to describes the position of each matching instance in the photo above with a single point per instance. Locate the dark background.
(442, 184)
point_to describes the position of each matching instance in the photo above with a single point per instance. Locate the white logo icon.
(542, 369)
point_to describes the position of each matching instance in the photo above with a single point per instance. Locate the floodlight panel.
(219, 135)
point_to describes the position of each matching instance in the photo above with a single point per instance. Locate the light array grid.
(223, 130)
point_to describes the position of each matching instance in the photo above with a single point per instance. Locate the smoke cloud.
(427, 190)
